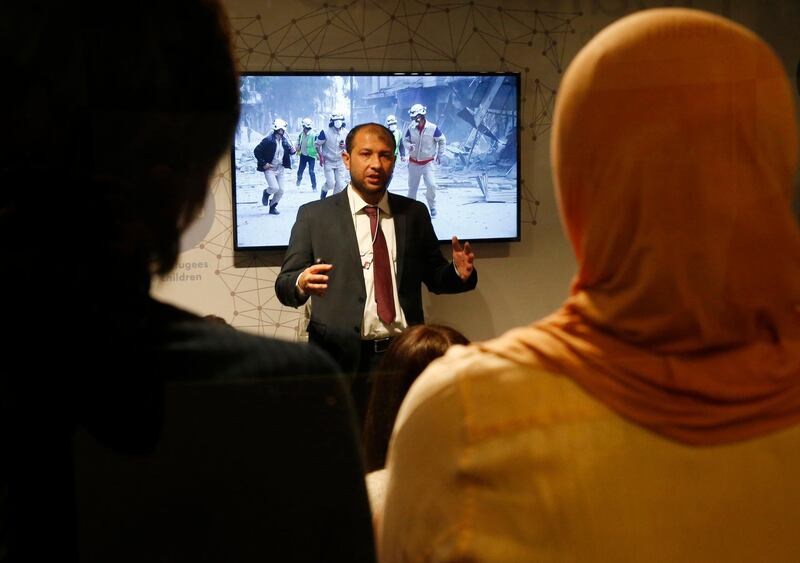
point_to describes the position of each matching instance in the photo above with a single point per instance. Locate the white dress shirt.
(372, 327)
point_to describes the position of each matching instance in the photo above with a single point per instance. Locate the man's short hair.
(384, 132)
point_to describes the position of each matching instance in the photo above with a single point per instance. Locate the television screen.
(475, 132)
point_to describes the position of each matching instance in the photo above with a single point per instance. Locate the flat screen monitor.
(477, 176)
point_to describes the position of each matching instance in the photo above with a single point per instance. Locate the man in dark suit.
(332, 256)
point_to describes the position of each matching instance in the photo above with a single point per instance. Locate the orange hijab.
(674, 152)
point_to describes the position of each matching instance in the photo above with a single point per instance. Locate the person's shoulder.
(481, 364)
(199, 349)
(438, 383)
(463, 375)
(414, 210)
(274, 357)
(495, 391)
(321, 205)
(402, 204)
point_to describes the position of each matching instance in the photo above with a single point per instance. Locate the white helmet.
(337, 120)
(391, 120)
(307, 123)
(417, 109)
(279, 124)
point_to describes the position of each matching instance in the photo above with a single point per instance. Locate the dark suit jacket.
(324, 229)
(265, 152)
(307, 502)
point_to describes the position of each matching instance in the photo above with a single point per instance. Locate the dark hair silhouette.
(137, 114)
(408, 355)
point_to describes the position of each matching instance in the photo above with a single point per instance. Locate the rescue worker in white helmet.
(330, 146)
(308, 153)
(424, 144)
(273, 155)
(391, 124)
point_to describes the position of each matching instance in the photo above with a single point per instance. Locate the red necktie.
(382, 274)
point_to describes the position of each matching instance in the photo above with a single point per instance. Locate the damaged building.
(477, 114)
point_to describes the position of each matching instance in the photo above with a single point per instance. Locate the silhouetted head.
(114, 125)
(408, 355)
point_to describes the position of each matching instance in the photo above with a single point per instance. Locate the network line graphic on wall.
(386, 36)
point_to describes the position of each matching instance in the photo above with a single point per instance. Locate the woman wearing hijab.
(656, 415)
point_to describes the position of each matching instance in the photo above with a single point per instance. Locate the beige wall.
(519, 282)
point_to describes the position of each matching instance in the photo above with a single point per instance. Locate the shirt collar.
(357, 204)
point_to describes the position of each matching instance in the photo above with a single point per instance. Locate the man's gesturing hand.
(314, 279)
(463, 258)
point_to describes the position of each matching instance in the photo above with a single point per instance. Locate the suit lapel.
(399, 216)
(350, 240)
